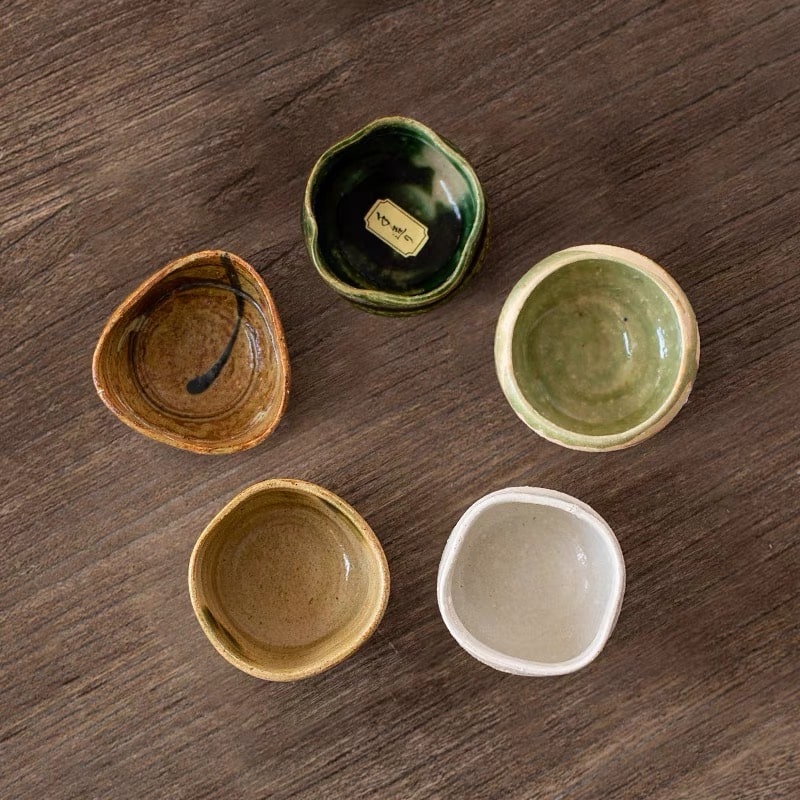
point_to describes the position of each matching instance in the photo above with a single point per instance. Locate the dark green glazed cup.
(394, 217)
(596, 348)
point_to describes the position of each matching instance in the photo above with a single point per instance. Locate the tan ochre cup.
(288, 580)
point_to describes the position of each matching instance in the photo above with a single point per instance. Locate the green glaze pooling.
(596, 348)
(400, 160)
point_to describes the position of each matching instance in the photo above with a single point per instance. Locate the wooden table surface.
(135, 132)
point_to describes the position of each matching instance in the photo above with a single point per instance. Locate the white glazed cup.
(531, 582)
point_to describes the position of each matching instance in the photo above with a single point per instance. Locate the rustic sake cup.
(195, 357)
(531, 582)
(288, 580)
(596, 348)
(394, 217)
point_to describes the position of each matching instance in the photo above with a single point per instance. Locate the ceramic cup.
(195, 357)
(394, 217)
(288, 580)
(596, 348)
(531, 582)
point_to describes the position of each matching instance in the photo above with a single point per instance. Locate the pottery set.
(596, 349)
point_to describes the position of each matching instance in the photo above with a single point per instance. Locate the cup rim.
(490, 655)
(670, 406)
(163, 435)
(377, 299)
(362, 527)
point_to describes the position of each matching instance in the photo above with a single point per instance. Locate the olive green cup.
(596, 348)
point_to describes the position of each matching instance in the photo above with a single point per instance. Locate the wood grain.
(135, 132)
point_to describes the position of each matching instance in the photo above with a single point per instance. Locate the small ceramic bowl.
(195, 357)
(531, 582)
(288, 580)
(394, 217)
(596, 348)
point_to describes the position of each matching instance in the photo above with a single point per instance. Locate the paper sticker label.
(396, 227)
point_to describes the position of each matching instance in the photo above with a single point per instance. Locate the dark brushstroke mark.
(222, 632)
(202, 382)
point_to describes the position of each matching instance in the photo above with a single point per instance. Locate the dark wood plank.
(136, 132)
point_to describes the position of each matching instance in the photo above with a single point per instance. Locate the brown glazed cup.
(195, 357)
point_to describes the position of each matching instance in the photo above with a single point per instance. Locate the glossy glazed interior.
(197, 358)
(596, 347)
(288, 583)
(532, 581)
(399, 163)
